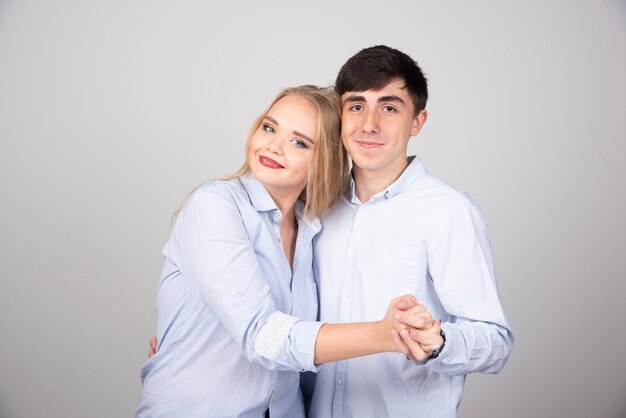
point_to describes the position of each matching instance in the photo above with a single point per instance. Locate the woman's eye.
(298, 143)
(269, 129)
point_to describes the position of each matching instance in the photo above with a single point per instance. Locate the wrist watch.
(438, 350)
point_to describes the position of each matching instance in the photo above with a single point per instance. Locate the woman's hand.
(153, 347)
(415, 333)
(399, 305)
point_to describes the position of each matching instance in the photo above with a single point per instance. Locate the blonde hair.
(328, 175)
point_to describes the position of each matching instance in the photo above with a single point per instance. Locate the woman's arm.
(217, 255)
(337, 342)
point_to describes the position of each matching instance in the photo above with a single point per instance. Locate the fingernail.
(396, 316)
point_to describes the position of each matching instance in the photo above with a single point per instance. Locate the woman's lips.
(268, 162)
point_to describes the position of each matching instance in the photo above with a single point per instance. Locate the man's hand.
(416, 334)
(389, 323)
(153, 347)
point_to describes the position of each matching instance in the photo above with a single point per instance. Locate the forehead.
(292, 106)
(295, 113)
(393, 88)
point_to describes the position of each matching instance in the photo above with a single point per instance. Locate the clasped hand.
(414, 331)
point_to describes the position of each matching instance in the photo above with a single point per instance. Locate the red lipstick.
(268, 162)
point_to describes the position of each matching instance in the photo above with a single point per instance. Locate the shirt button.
(277, 215)
(239, 293)
(340, 381)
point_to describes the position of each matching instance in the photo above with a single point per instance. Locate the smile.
(269, 163)
(369, 144)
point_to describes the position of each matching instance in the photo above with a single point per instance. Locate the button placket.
(276, 218)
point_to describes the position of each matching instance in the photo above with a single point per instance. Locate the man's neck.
(370, 182)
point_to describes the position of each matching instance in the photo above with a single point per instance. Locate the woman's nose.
(275, 145)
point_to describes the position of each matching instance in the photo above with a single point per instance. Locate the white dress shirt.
(420, 236)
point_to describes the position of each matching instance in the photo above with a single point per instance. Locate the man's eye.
(357, 108)
(389, 109)
(268, 128)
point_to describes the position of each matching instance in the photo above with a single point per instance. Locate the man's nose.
(370, 121)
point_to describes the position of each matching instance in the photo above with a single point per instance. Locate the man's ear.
(418, 122)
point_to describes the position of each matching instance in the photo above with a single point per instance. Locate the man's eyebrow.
(355, 98)
(391, 98)
(300, 134)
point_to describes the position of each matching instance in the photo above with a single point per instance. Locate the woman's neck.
(288, 225)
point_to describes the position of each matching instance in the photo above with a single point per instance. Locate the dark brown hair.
(375, 67)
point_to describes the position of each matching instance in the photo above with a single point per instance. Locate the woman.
(237, 299)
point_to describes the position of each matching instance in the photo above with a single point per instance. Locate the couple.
(237, 303)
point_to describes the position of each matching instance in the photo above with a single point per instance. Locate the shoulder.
(438, 194)
(450, 208)
(218, 197)
(219, 187)
(231, 191)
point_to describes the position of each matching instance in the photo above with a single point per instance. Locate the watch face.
(435, 353)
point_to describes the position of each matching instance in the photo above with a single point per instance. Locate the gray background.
(111, 111)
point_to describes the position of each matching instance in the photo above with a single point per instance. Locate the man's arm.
(478, 336)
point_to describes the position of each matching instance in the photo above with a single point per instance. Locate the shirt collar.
(258, 194)
(313, 223)
(408, 176)
(263, 202)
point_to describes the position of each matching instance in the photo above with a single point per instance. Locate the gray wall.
(111, 111)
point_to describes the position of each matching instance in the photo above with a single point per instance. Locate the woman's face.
(281, 148)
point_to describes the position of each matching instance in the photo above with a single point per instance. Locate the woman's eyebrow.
(271, 119)
(305, 137)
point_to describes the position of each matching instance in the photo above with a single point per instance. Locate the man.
(401, 230)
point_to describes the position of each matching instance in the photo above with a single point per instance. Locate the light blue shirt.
(420, 236)
(229, 309)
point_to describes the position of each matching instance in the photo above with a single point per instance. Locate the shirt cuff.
(271, 338)
(302, 343)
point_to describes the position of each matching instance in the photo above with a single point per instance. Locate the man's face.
(376, 126)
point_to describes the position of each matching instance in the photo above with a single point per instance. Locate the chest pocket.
(392, 270)
(305, 302)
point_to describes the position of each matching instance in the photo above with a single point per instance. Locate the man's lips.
(368, 144)
(268, 162)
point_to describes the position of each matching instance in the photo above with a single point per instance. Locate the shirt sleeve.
(216, 253)
(479, 338)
